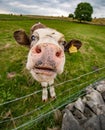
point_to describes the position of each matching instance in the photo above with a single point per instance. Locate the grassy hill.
(15, 80)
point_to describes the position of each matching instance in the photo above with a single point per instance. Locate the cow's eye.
(63, 43)
(33, 38)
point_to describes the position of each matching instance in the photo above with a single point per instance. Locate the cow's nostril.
(58, 54)
(38, 49)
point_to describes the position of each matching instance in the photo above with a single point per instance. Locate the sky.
(49, 7)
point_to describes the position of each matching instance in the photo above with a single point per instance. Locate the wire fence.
(43, 115)
(20, 98)
(18, 117)
(69, 98)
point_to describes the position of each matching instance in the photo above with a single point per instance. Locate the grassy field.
(15, 80)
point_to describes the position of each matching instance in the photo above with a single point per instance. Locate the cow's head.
(46, 57)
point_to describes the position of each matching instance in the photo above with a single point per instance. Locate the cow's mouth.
(45, 70)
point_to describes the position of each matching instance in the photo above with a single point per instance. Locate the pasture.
(81, 69)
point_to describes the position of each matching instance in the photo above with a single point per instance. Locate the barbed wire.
(17, 99)
(54, 109)
(18, 117)
(71, 99)
(39, 108)
(20, 98)
(91, 72)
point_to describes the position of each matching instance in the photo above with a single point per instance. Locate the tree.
(83, 11)
(71, 16)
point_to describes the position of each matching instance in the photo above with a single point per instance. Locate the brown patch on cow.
(37, 26)
(21, 37)
(73, 42)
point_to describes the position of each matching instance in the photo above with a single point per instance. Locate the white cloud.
(5, 12)
(24, 6)
(100, 12)
(46, 7)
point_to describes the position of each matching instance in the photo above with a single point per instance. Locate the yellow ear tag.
(72, 49)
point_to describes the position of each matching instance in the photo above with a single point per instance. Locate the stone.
(94, 99)
(95, 123)
(69, 122)
(100, 88)
(88, 112)
(79, 105)
(79, 116)
(70, 106)
(103, 96)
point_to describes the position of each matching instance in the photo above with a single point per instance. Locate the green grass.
(13, 58)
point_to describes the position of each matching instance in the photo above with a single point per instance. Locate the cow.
(46, 57)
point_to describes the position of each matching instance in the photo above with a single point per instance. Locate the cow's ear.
(73, 46)
(21, 37)
(37, 26)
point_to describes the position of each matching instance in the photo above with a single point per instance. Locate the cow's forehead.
(49, 32)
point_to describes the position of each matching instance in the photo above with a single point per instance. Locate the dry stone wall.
(88, 112)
